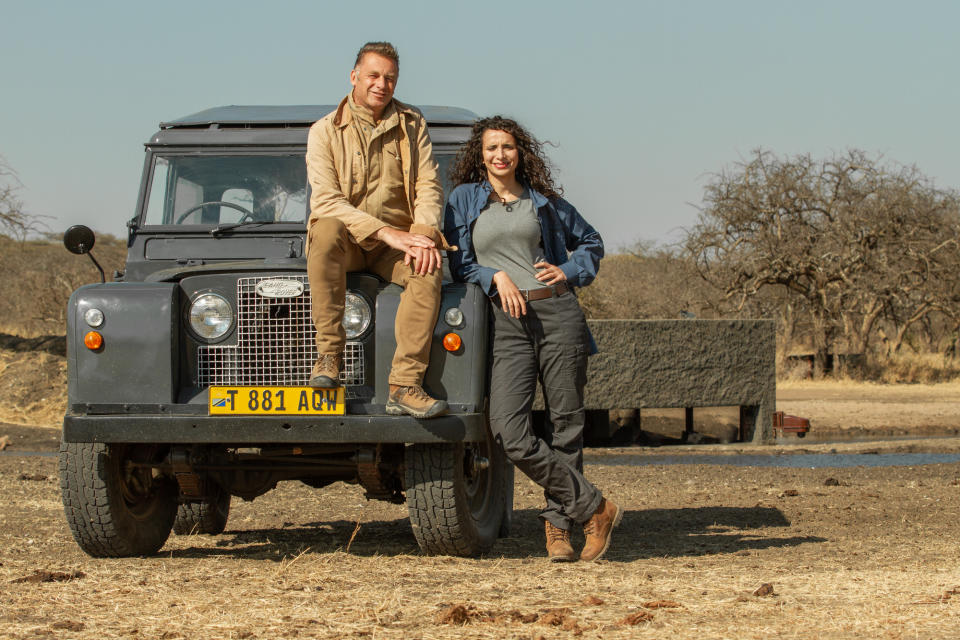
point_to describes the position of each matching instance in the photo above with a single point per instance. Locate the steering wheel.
(246, 212)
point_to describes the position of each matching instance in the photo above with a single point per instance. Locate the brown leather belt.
(545, 292)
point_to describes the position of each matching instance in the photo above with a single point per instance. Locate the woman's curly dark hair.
(533, 168)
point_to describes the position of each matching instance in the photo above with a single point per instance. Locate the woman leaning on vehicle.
(527, 248)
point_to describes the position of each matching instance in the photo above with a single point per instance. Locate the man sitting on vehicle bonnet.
(375, 206)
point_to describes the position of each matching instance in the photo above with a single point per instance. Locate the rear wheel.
(208, 516)
(456, 496)
(115, 503)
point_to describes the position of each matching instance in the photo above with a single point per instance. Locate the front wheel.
(115, 502)
(456, 496)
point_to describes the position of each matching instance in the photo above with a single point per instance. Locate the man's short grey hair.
(384, 49)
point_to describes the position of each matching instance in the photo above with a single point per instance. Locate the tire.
(114, 509)
(208, 517)
(455, 509)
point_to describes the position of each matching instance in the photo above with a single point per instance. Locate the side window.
(287, 206)
(186, 196)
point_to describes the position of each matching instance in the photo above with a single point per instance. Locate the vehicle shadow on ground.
(693, 531)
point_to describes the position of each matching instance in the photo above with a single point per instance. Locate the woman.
(514, 232)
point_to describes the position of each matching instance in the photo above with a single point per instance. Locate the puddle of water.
(834, 438)
(794, 461)
(30, 454)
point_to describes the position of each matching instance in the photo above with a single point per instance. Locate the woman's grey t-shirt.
(510, 241)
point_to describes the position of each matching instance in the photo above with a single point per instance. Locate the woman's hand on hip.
(510, 297)
(549, 274)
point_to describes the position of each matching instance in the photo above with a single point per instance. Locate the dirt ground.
(856, 552)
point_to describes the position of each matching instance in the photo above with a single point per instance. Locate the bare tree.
(13, 220)
(847, 239)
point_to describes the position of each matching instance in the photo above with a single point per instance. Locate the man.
(375, 206)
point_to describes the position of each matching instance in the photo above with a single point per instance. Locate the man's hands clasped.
(415, 246)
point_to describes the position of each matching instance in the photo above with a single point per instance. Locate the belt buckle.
(526, 294)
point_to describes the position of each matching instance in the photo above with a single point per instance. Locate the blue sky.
(644, 100)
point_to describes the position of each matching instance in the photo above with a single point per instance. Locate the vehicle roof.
(299, 115)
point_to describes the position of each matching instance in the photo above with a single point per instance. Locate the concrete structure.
(687, 364)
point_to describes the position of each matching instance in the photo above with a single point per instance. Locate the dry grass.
(901, 368)
(913, 368)
(33, 388)
(39, 277)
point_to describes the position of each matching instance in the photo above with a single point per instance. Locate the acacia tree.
(846, 239)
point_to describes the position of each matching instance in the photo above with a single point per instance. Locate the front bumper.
(256, 430)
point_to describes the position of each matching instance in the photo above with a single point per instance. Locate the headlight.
(356, 315)
(211, 316)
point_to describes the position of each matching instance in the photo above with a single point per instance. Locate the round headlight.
(93, 317)
(356, 315)
(211, 316)
(454, 317)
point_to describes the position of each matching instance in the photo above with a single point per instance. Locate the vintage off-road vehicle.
(187, 374)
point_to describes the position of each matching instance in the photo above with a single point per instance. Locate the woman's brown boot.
(558, 544)
(599, 528)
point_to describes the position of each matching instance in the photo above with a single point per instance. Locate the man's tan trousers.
(330, 256)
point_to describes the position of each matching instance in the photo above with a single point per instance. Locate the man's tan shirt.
(371, 175)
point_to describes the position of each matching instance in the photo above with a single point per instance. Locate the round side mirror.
(78, 239)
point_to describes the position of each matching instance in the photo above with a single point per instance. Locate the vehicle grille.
(275, 343)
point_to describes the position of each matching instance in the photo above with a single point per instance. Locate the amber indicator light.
(93, 340)
(452, 342)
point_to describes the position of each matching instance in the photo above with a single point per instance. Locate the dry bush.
(647, 283)
(40, 275)
(911, 368)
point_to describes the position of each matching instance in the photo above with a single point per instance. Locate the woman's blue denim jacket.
(568, 240)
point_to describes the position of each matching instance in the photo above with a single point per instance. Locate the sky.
(644, 101)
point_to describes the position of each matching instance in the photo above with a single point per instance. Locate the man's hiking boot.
(326, 372)
(599, 528)
(414, 401)
(559, 548)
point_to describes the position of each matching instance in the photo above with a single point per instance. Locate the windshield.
(213, 190)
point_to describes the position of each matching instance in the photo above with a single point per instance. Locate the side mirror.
(79, 239)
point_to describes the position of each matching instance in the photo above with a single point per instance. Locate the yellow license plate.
(277, 401)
